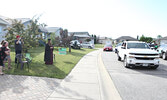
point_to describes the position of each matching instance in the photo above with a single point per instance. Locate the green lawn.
(61, 67)
(99, 45)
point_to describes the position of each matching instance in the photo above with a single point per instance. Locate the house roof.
(42, 29)
(53, 29)
(163, 38)
(80, 34)
(126, 38)
(23, 20)
(102, 38)
(4, 20)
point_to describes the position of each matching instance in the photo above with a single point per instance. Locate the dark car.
(108, 47)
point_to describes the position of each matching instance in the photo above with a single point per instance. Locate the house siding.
(2, 32)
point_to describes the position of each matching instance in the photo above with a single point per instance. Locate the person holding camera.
(18, 46)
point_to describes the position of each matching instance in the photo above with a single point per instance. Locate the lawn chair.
(28, 58)
(20, 61)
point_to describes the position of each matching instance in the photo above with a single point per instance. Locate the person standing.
(18, 46)
(3, 53)
(48, 57)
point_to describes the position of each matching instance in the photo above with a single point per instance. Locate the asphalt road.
(139, 83)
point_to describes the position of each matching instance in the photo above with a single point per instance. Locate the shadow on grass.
(38, 69)
(67, 62)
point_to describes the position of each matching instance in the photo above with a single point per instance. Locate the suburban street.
(138, 83)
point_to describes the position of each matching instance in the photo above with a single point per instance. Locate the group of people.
(5, 53)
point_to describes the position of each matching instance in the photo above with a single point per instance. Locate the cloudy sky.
(112, 18)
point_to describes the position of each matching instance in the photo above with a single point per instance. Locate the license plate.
(145, 64)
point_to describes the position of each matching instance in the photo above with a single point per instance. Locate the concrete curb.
(107, 88)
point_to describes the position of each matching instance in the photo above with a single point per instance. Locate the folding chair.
(20, 61)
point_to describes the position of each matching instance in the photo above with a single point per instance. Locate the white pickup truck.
(135, 53)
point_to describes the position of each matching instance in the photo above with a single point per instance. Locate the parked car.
(135, 53)
(75, 44)
(161, 50)
(87, 45)
(108, 47)
(118, 46)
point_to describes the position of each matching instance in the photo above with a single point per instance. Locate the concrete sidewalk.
(82, 83)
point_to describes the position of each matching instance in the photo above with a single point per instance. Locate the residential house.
(3, 25)
(125, 38)
(162, 40)
(55, 30)
(81, 36)
(104, 40)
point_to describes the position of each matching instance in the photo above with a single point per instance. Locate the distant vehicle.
(118, 46)
(135, 53)
(108, 47)
(87, 45)
(162, 50)
(75, 44)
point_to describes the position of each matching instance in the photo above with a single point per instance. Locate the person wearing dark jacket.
(18, 46)
(3, 53)
(48, 57)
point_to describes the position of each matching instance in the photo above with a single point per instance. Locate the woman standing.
(3, 53)
(48, 57)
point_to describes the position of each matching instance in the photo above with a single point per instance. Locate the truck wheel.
(125, 62)
(164, 56)
(119, 58)
(155, 67)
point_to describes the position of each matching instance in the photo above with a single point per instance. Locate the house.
(162, 40)
(81, 36)
(55, 30)
(125, 38)
(3, 24)
(104, 40)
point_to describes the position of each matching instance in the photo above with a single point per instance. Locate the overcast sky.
(111, 18)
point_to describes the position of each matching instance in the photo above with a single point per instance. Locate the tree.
(16, 28)
(95, 39)
(159, 36)
(146, 39)
(65, 39)
(30, 35)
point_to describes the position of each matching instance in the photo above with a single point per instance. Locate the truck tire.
(119, 58)
(164, 56)
(155, 67)
(125, 62)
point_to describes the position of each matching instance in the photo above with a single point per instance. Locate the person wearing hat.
(48, 57)
(18, 46)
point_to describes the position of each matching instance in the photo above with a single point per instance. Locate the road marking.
(108, 89)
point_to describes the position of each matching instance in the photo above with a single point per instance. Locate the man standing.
(18, 46)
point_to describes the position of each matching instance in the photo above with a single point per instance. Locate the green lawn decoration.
(62, 51)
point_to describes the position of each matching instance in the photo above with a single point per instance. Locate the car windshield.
(119, 44)
(138, 45)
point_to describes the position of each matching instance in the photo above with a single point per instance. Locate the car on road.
(135, 53)
(87, 45)
(117, 47)
(108, 47)
(162, 49)
(75, 44)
